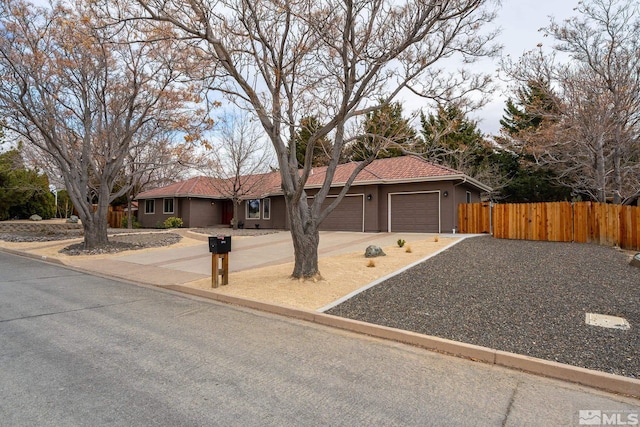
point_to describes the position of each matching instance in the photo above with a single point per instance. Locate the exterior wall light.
(445, 194)
(369, 196)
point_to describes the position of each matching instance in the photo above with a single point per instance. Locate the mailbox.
(220, 244)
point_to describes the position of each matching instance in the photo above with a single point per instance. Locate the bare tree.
(87, 96)
(239, 154)
(605, 41)
(162, 161)
(330, 59)
(592, 138)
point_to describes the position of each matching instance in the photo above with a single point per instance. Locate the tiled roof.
(391, 170)
(199, 186)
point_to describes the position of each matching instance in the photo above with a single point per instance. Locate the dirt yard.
(342, 275)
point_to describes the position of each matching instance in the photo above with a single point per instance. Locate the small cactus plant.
(401, 242)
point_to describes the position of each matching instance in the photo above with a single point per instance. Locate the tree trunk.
(617, 175)
(306, 238)
(129, 212)
(95, 233)
(234, 221)
(305, 244)
(94, 223)
(600, 171)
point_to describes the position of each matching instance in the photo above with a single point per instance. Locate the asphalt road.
(79, 350)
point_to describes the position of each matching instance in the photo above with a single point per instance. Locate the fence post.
(491, 218)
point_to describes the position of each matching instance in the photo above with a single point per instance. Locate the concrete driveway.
(261, 251)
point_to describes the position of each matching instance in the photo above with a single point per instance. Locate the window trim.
(468, 196)
(164, 205)
(246, 211)
(148, 211)
(266, 211)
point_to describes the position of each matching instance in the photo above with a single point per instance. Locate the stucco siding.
(204, 212)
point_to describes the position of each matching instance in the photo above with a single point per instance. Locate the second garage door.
(348, 216)
(414, 212)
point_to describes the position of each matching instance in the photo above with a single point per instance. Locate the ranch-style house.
(398, 194)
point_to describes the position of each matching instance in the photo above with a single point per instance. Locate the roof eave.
(463, 177)
(178, 195)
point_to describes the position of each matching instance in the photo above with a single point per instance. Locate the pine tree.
(534, 103)
(453, 140)
(321, 149)
(385, 133)
(535, 107)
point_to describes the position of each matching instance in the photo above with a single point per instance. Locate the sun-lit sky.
(520, 21)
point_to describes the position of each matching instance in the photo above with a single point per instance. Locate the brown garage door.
(415, 212)
(347, 216)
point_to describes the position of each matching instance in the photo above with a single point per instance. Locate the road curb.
(587, 377)
(561, 371)
(33, 256)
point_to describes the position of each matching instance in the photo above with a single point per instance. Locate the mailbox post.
(219, 246)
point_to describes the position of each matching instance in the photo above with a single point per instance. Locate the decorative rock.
(635, 261)
(373, 251)
(35, 217)
(73, 219)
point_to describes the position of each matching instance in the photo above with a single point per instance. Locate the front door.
(227, 212)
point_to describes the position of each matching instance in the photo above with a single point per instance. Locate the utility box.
(220, 244)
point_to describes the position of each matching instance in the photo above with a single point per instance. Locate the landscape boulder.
(635, 261)
(35, 217)
(73, 219)
(373, 251)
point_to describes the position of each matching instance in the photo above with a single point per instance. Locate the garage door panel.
(347, 216)
(415, 212)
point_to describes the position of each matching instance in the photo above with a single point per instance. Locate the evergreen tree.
(534, 103)
(535, 107)
(23, 192)
(451, 139)
(321, 149)
(385, 133)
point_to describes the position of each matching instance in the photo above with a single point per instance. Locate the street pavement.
(77, 349)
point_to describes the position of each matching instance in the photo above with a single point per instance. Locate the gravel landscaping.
(121, 239)
(519, 296)
(125, 242)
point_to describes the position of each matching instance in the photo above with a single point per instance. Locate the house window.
(266, 208)
(149, 206)
(468, 197)
(168, 206)
(253, 209)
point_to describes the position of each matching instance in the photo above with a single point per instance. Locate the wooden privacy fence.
(114, 218)
(585, 222)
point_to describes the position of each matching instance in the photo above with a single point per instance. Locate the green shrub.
(173, 222)
(401, 242)
(135, 223)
